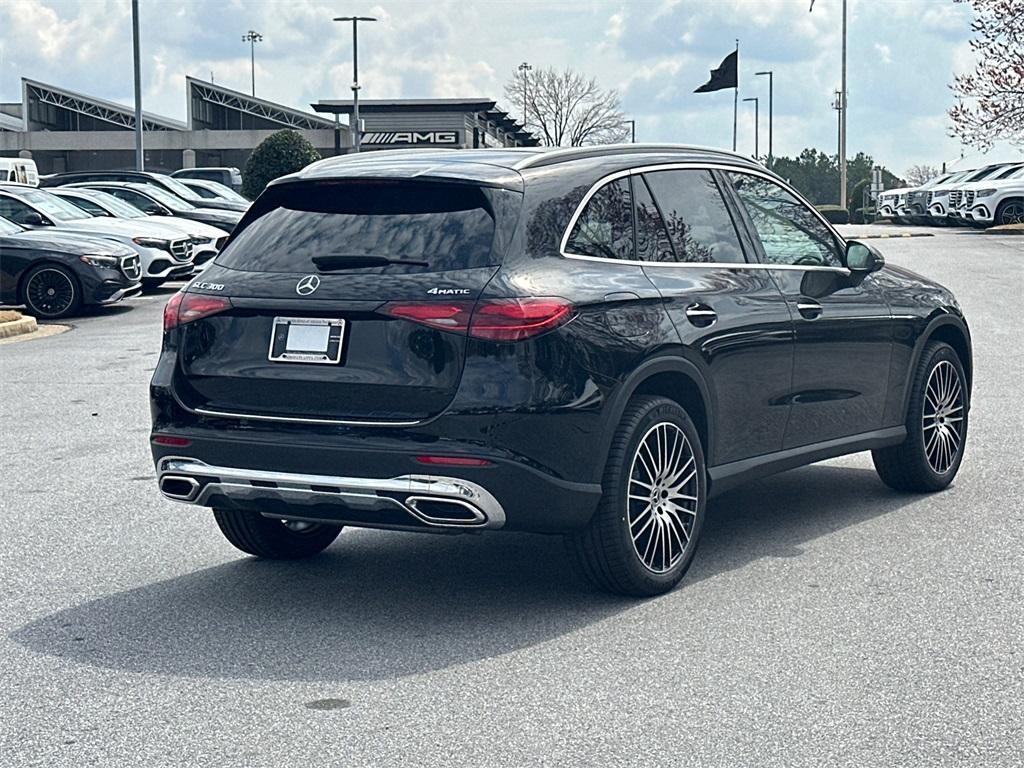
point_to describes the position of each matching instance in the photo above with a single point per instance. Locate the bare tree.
(917, 175)
(567, 109)
(990, 100)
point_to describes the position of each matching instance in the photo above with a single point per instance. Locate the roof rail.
(582, 153)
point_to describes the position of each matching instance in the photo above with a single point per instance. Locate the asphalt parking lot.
(826, 621)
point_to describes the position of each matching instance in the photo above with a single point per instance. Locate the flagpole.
(736, 96)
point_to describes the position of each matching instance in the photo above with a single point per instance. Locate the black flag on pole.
(724, 77)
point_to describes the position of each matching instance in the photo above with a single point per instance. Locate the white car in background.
(206, 240)
(957, 193)
(938, 198)
(165, 253)
(996, 200)
(890, 201)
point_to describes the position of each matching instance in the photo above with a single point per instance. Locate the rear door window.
(605, 227)
(699, 224)
(439, 226)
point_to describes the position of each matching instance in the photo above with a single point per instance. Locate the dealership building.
(67, 131)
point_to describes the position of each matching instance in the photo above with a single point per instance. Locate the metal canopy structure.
(215, 107)
(484, 111)
(48, 107)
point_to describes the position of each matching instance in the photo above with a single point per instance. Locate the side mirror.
(862, 258)
(33, 219)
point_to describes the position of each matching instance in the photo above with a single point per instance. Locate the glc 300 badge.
(307, 285)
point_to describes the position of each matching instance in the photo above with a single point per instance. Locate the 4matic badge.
(448, 291)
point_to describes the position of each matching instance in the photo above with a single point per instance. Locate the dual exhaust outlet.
(406, 502)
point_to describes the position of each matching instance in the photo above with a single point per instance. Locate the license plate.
(306, 340)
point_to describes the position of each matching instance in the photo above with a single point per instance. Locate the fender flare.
(942, 319)
(620, 395)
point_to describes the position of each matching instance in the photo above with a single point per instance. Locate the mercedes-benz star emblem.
(307, 285)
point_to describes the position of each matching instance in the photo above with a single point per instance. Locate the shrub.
(835, 214)
(277, 155)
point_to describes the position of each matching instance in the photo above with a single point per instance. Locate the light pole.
(140, 158)
(771, 120)
(757, 125)
(632, 131)
(252, 37)
(356, 127)
(841, 105)
(524, 68)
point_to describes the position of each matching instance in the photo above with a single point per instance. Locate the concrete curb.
(1006, 229)
(43, 331)
(17, 327)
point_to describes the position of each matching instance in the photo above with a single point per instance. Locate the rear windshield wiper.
(355, 261)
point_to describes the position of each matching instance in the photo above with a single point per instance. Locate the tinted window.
(449, 226)
(652, 241)
(171, 201)
(605, 228)
(14, 209)
(699, 225)
(790, 232)
(203, 192)
(86, 205)
(131, 197)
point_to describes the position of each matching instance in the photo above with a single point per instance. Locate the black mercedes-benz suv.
(588, 342)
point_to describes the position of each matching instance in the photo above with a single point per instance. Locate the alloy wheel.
(1013, 213)
(662, 497)
(49, 292)
(943, 417)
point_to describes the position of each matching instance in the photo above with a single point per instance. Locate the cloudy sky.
(903, 54)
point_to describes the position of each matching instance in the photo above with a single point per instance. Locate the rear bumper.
(368, 480)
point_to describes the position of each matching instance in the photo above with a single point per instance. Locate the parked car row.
(87, 238)
(981, 197)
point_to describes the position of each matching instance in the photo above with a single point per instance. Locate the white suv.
(998, 199)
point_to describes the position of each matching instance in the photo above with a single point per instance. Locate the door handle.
(701, 315)
(810, 310)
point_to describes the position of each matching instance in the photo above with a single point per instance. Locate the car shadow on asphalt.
(389, 605)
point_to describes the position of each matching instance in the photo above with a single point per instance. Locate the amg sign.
(444, 138)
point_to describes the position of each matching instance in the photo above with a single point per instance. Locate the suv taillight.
(491, 319)
(187, 307)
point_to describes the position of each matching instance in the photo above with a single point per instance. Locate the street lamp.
(841, 105)
(771, 99)
(757, 125)
(524, 68)
(357, 127)
(252, 37)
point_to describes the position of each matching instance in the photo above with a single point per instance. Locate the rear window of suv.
(448, 226)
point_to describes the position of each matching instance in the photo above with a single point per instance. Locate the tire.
(271, 538)
(51, 291)
(930, 457)
(1012, 210)
(631, 547)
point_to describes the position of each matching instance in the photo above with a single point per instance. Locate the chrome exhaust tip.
(437, 510)
(178, 487)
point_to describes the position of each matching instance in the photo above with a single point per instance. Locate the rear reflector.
(453, 461)
(491, 319)
(178, 442)
(188, 307)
